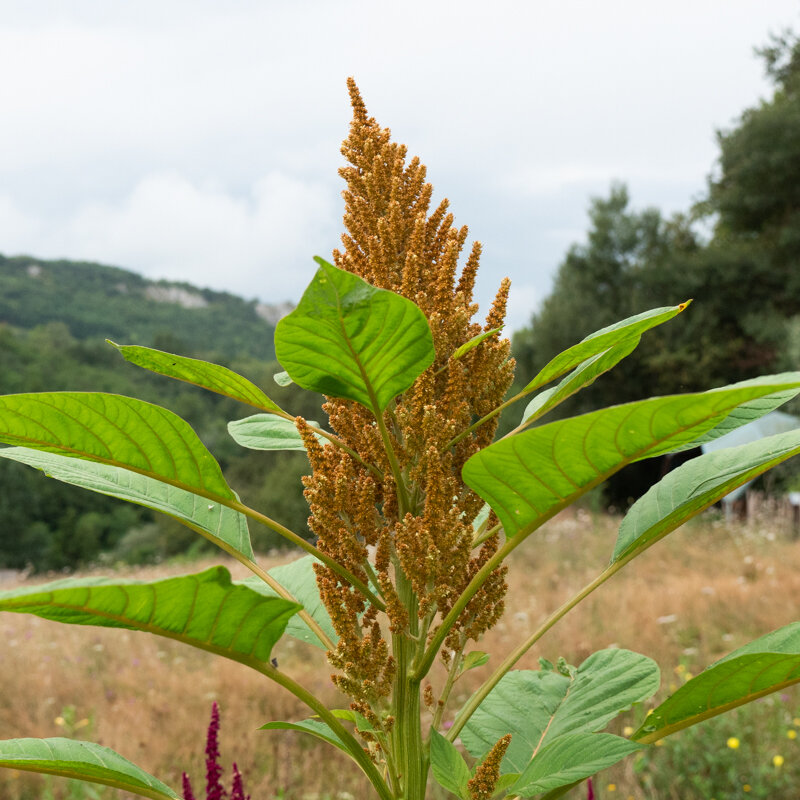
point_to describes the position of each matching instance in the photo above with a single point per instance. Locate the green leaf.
(209, 376)
(748, 412)
(536, 707)
(766, 665)
(205, 610)
(268, 432)
(300, 580)
(571, 758)
(529, 477)
(448, 765)
(461, 351)
(582, 376)
(602, 340)
(84, 761)
(359, 720)
(222, 525)
(314, 727)
(114, 430)
(474, 659)
(350, 340)
(282, 379)
(694, 486)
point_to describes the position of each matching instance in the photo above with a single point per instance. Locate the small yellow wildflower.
(627, 730)
(612, 787)
(791, 733)
(777, 761)
(747, 787)
(59, 721)
(688, 676)
(733, 743)
(680, 668)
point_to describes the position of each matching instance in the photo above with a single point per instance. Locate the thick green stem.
(407, 732)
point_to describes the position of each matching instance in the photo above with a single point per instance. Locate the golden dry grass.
(704, 591)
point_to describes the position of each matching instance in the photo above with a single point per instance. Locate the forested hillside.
(54, 319)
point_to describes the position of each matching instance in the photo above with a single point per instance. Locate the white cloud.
(167, 226)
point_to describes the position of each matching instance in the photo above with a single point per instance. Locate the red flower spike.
(237, 789)
(214, 790)
(188, 794)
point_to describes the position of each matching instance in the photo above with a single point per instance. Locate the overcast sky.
(199, 140)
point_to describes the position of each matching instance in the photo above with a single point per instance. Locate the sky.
(199, 141)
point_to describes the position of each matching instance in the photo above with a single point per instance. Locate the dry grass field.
(707, 589)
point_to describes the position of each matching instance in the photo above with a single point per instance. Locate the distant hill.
(54, 319)
(99, 302)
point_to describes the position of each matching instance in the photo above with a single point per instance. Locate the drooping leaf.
(205, 610)
(571, 758)
(348, 339)
(222, 525)
(695, 485)
(528, 477)
(299, 578)
(209, 376)
(268, 432)
(602, 340)
(359, 720)
(314, 727)
(83, 761)
(750, 411)
(538, 706)
(583, 375)
(461, 351)
(448, 766)
(476, 658)
(481, 519)
(115, 430)
(766, 665)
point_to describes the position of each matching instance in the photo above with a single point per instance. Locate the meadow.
(707, 589)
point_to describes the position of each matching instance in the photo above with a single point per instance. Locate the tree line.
(736, 253)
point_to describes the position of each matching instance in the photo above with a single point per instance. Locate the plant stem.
(423, 664)
(309, 548)
(348, 740)
(515, 655)
(407, 731)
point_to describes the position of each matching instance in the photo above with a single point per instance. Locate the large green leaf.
(222, 525)
(209, 376)
(538, 706)
(602, 340)
(448, 765)
(748, 412)
(299, 578)
(82, 760)
(528, 477)
(693, 486)
(115, 430)
(348, 339)
(268, 432)
(766, 665)
(571, 758)
(582, 376)
(205, 610)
